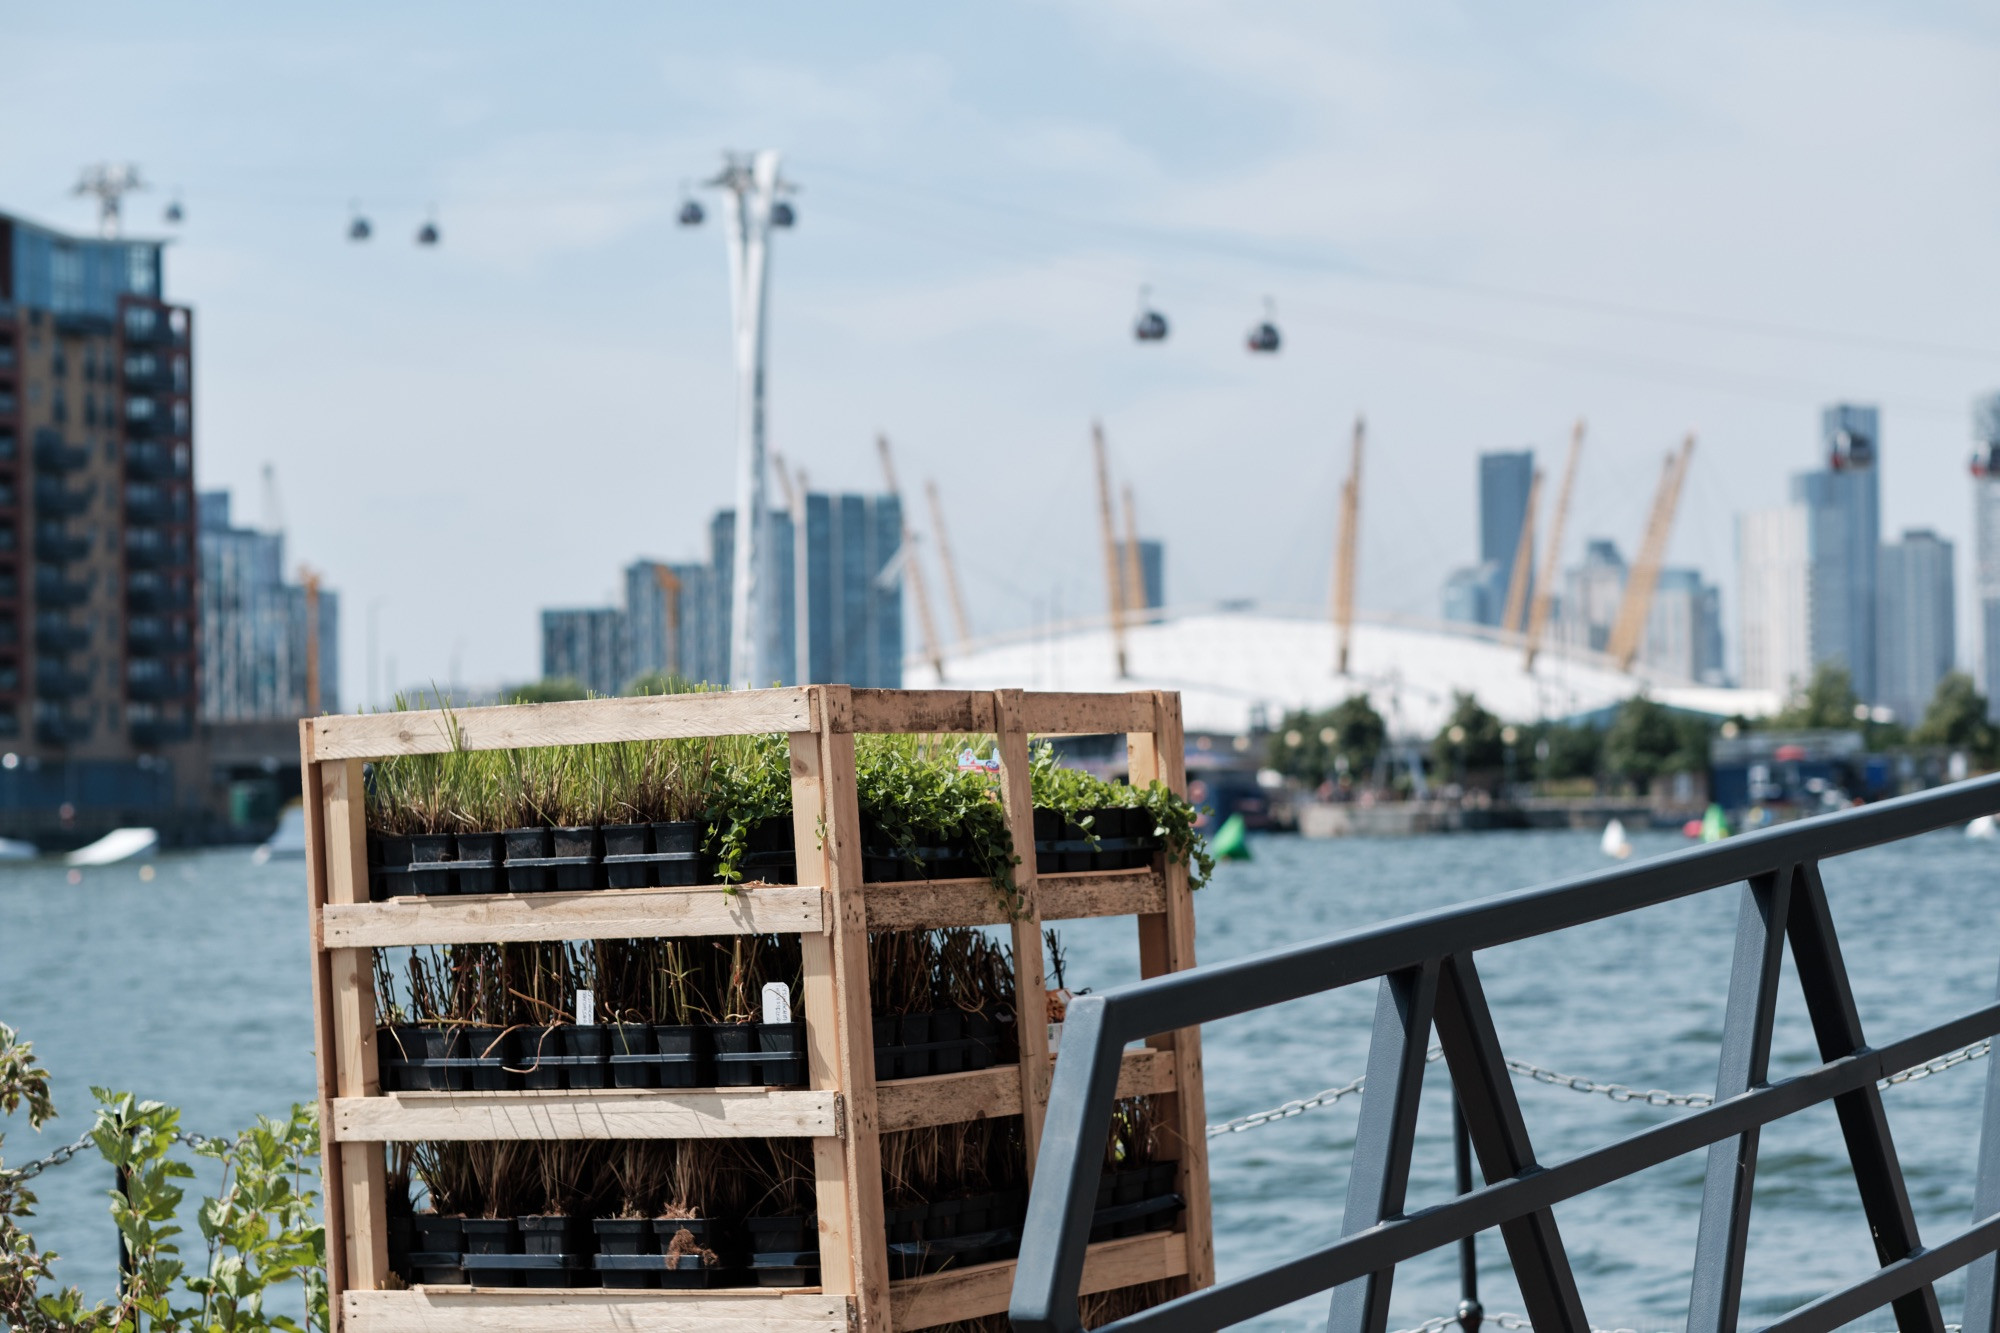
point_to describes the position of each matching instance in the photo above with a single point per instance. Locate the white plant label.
(777, 1002)
(586, 1008)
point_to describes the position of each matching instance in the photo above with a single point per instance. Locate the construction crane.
(1538, 611)
(960, 621)
(913, 570)
(1344, 552)
(1630, 628)
(1135, 569)
(1114, 576)
(310, 578)
(1514, 617)
(795, 505)
(670, 604)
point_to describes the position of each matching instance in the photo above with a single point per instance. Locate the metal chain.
(1617, 1092)
(69, 1150)
(1518, 1323)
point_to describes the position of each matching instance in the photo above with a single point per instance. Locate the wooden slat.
(580, 722)
(984, 1094)
(819, 1003)
(1030, 988)
(936, 904)
(325, 1040)
(595, 914)
(848, 925)
(968, 1293)
(505, 1310)
(362, 1179)
(1166, 944)
(610, 1113)
(926, 711)
(1056, 714)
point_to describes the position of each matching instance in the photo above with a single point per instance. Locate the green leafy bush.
(1075, 792)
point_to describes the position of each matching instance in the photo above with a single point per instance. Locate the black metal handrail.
(1428, 978)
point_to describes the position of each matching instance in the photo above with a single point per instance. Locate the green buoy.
(1714, 824)
(1230, 842)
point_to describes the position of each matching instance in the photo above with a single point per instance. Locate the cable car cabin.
(782, 214)
(691, 214)
(1150, 327)
(174, 213)
(427, 234)
(359, 229)
(1264, 338)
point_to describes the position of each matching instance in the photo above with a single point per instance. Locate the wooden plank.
(968, 1293)
(1030, 987)
(923, 711)
(582, 1310)
(609, 1113)
(819, 1005)
(595, 914)
(363, 1183)
(840, 832)
(1048, 713)
(325, 1040)
(1166, 944)
(579, 722)
(984, 1094)
(935, 904)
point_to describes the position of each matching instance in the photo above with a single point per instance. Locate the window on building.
(180, 374)
(140, 321)
(141, 267)
(180, 418)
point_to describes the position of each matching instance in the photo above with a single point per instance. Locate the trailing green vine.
(1075, 793)
(918, 790)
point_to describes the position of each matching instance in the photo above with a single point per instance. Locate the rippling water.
(192, 988)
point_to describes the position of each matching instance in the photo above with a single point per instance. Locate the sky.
(1475, 225)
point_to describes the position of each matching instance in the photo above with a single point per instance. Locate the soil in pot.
(524, 846)
(430, 849)
(478, 863)
(582, 850)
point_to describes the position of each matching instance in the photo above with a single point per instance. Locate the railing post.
(1470, 1313)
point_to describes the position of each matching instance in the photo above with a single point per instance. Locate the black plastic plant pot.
(703, 1231)
(906, 1223)
(429, 849)
(430, 1072)
(783, 1046)
(686, 1271)
(585, 1047)
(948, 1044)
(625, 1235)
(627, 856)
(684, 1052)
(633, 1061)
(479, 863)
(580, 846)
(888, 1048)
(388, 864)
(982, 1036)
(677, 860)
(544, 1233)
(943, 1223)
(528, 844)
(736, 1054)
(769, 854)
(439, 1233)
(537, 1052)
(493, 1048)
(492, 1235)
(769, 1235)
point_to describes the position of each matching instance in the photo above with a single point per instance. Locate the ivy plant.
(1076, 793)
(926, 790)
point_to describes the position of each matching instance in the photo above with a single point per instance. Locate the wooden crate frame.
(832, 910)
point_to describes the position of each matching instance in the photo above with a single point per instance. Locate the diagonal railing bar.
(1386, 1136)
(1519, 1189)
(1891, 1284)
(1724, 1233)
(1501, 1144)
(1864, 1124)
(1982, 1278)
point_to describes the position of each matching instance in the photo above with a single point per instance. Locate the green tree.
(1648, 739)
(1573, 752)
(1957, 718)
(1308, 745)
(1827, 702)
(1470, 740)
(555, 689)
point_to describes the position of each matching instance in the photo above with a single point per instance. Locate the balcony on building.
(148, 635)
(152, 732)
(53, 680)
(147, 547)
(9, 450)
(145, 370)
(145, 503)
(55, 500)
(52, 455)
(54, 634)
(143, 325)
(148, 590)
(142, 415)
(149, 680)
(149, 460)
(56, 545)
(55, 725)
(52, 589)
(82, 324)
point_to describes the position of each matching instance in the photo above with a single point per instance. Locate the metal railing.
(1428, 979)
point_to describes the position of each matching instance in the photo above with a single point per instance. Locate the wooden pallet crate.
(841, 1109)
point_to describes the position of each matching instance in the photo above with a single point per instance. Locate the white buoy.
(1982, 828)
(289, 842)
(1615, 843)
(120, 844)
(13, 849)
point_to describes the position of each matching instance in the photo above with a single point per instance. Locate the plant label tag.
(777, 1002)
(586, 1008)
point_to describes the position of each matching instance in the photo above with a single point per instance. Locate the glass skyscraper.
(1843, 536)
(1504, 481)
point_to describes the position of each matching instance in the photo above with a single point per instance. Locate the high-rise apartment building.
(669, 613)
(1592, 594)
(1683, 637)
(1505, 478)
(589, 645)
(1986, 541)
(1773, 603)
(257, 639)
(1152, 572)
(1843, 534)
(1917, 613)
(98, 647)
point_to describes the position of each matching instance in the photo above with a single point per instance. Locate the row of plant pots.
(983, 1228)
(561, 1251)
(944, 1041)
(416, 1058)
(1116, 838)
(571, 859)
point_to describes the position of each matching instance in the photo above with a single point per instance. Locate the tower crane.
(1345, 551)
(913, 570)
(1514, 616)
(794, 496)
(670, 601)
(1114, 577)
(1135, 568)
(956, 595)
(1630, 627)
(1538, 611)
